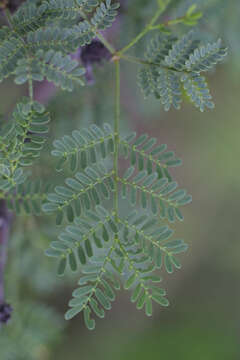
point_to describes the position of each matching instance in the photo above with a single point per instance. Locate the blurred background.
(203, 320)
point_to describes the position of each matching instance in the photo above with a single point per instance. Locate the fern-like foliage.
(106, 246)
(87, 145)
(59, 69)
(21, 142)
(37, 324)
(32, 29)
(77, 242)
(84, 191)
(105, 15)
(173, 70)
(157, 194)
(137, 247)
(35, 47)
(103, 239)
(144, 153)
(27, 197)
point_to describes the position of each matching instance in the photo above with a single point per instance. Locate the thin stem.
(150, 27)
(133, 267)
(30, 89)
(116, 137)
(136, 60)
(168, 23)
(142, 34)
(106, 43)
(8, 17)
(100, 275)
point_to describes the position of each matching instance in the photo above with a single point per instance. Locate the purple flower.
(12, 5)
(94, 53)
(5, 313)
(91, 54)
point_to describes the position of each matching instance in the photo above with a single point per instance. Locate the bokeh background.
(203, 320)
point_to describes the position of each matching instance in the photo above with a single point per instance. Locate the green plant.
(99, 240)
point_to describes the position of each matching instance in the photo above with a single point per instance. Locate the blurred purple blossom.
(91, 54)
(12, 5)
(5, 313)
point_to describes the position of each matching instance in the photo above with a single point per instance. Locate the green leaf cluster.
(102, 173)
(85, 190)
(38, 33)
(21, 142)
(173, 69)
(104, 246)
(27, 197)
(34, 326)
(55, 67)
(84, 147)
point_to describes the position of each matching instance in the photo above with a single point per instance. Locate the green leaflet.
(155, 194)
(81, 239)
(82, 192)
(146, 154)
(56, 68)
(81, 145)
(27, 197)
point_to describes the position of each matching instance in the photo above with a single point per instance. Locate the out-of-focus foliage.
(34, 326)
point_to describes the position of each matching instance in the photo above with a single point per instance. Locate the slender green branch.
(139, 61)
(116, 137)
(150, 27)
(106, 43)
(101, 274)
(142, 34)
(24, 197)
(165, 24)
(30, 88)
(8, 17)
(136, 60)
(136, 270)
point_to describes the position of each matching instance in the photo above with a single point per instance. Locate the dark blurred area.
(203, 320)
